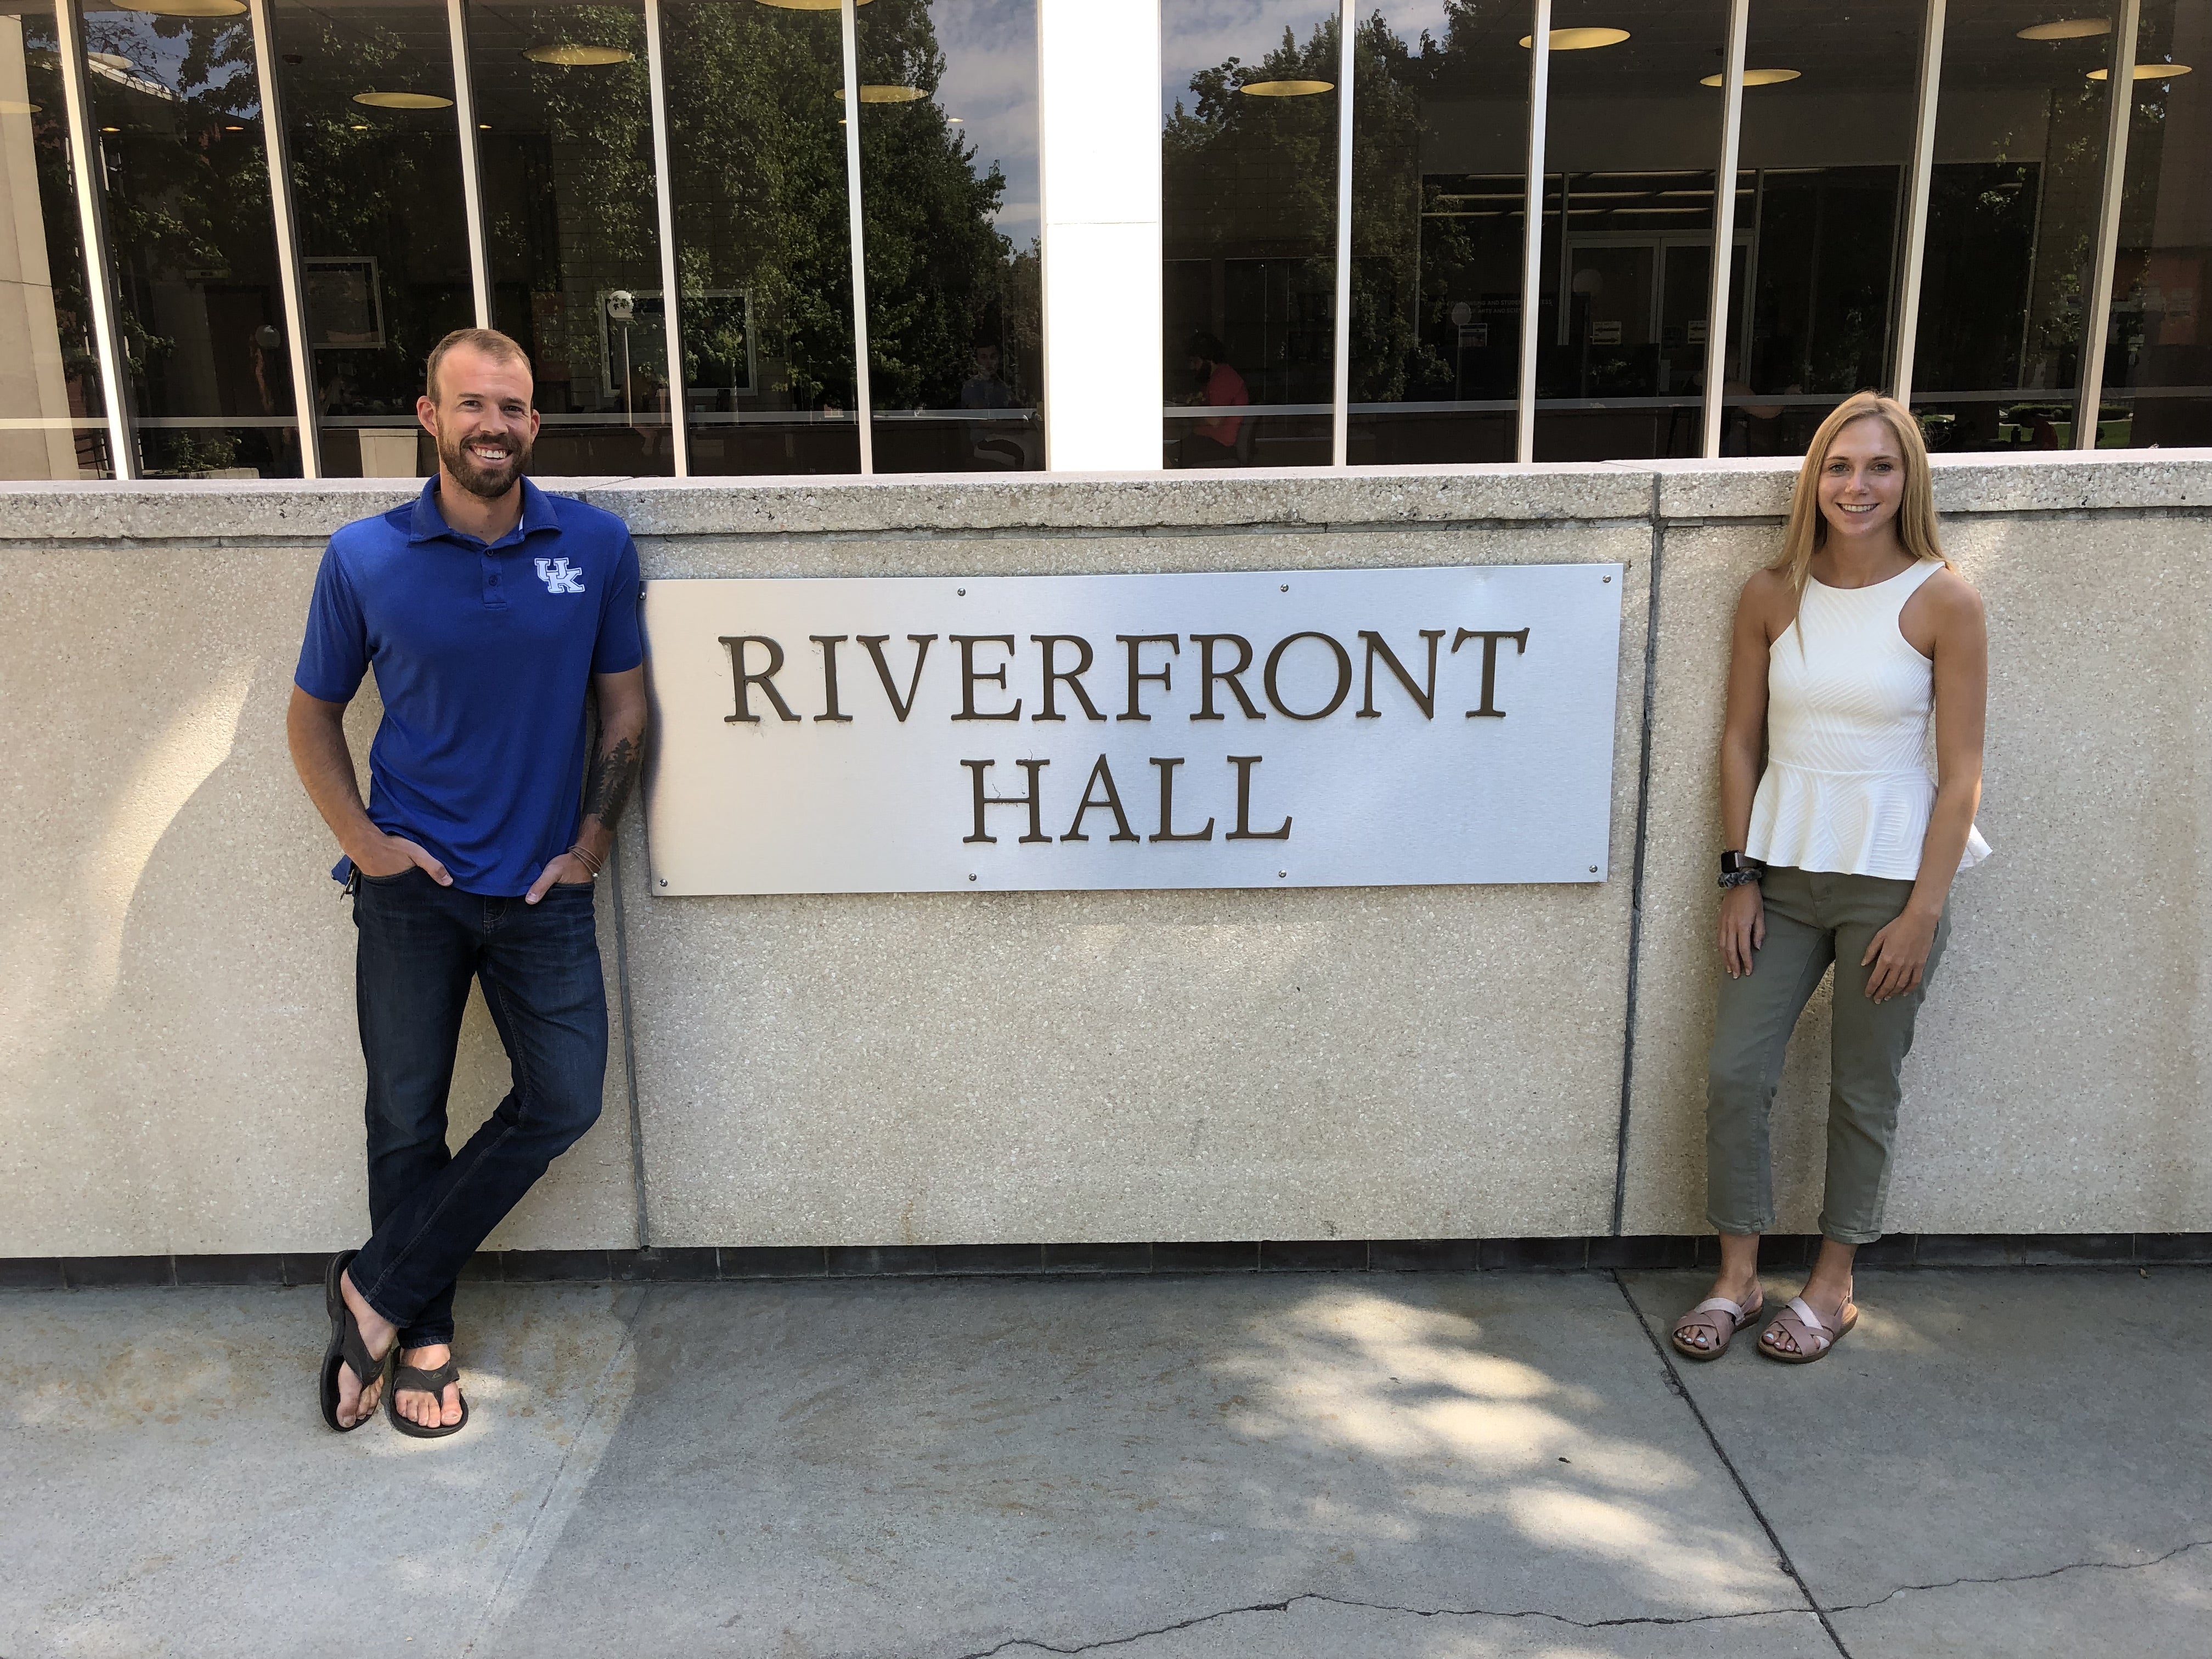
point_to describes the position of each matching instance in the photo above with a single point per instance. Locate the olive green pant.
(1813, 919)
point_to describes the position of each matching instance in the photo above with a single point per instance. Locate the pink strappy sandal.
(1719, 1320)
(1808, 1330)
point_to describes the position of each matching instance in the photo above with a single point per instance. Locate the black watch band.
(1736, 863)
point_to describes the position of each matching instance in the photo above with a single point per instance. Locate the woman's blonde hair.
(1916, 513)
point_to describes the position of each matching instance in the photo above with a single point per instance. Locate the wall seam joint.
(1635, 876)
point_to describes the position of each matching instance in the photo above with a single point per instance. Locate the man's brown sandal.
(1808, 1330)
(1718, 1319)
(347, 1348)
(415, 1379)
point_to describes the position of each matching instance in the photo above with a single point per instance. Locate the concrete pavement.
(1299, 1466)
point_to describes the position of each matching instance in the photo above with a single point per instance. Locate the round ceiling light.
(402, 101)
(1580, 40)
(185, 8)
(1286, 89)
(2146, 72)
(1773, 77)
(2068, 29)
(570, 55)
(885, 95)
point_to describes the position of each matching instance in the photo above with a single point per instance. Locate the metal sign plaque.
(1296, 728)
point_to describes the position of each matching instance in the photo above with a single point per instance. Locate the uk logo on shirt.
(558, 578)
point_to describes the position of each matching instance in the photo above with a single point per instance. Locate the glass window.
(2013, 198)
(1631, 145)
(1249, 226)
(2158, 356)
(1440, 144)
(53, 409)
(564, 111)
(763, 240)
(367, 90)
(1829, 101)
(178, 107)
(950, 221)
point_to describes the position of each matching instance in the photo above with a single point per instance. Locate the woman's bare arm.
(1761, 612)
(1946, 615)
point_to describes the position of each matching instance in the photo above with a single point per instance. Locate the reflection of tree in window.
(179, 111)
(1251, 183)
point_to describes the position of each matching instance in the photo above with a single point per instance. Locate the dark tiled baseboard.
(1779, 1251)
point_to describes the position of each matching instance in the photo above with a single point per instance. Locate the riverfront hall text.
(1304, 676)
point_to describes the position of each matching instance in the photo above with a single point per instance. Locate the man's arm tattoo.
(613, 775)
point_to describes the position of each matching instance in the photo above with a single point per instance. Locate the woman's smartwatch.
(1737, 868)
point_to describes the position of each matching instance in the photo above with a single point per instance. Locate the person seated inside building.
(1214, 384)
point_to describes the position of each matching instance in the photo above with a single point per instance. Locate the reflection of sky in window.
(990, 82)
(156, 49)
(1201, 34)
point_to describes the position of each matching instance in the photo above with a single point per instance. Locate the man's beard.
(473, 476)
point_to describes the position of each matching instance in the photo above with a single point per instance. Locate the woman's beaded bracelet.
(1737, 877)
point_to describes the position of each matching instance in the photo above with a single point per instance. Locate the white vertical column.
(1717, 307)
(1340, 404)
(664, 188)
(864, 408)
(464, 117)
(1532, 225)
(2097, 316)
(1098, 89)
(277, 153)
(89, 172)
(1916, 207)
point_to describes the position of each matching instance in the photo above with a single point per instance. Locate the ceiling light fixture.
(885, 95)
(403, 100)
(1286, 89)
(1580, 40)
(111, 129)
(2068, 29)
(2147, 72)
(1769, 77)
(185, 8)
(14, 107)
(571, 55)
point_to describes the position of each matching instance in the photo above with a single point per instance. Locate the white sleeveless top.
(1850, 778)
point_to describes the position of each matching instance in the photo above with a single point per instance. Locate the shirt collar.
(428, 524)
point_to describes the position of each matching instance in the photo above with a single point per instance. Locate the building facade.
(1122, 234)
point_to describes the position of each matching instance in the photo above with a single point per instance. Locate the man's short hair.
(490, 341)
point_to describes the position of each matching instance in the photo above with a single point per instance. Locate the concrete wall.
(178, 1068)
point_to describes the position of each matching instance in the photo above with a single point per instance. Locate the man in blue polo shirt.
(488, 610)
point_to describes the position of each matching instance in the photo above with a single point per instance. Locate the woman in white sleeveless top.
(1851, 651)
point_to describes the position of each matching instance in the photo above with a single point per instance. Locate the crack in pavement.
(1288, 1602)
(2030, 1577)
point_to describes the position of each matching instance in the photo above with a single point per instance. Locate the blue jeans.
(419, 944)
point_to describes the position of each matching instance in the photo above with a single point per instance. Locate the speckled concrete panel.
(179, 1070)
(204, 511)
(2058, 1084)
(2108, 480)
(968, 503)
(1365, 1062)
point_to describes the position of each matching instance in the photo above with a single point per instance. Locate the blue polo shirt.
(483, 653)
